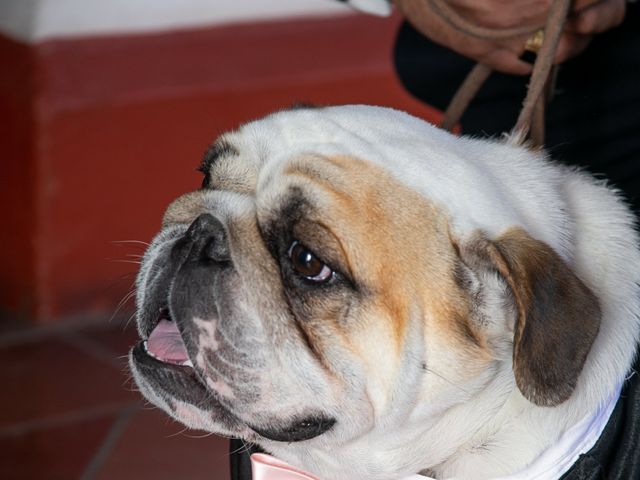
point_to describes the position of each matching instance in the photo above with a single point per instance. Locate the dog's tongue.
(165, 343)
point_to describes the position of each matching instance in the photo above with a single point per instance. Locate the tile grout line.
(64, 419)
(94, 349)
(111, 439)
(43, 332)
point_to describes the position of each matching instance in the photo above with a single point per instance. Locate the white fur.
(492, 186)
(445, 420)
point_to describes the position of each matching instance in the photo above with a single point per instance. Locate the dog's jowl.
(368, 297)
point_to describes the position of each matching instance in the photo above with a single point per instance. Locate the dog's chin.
(170, 381)
(179, 391)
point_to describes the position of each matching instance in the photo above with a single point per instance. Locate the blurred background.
(106, 108)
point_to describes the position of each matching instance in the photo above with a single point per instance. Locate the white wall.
(35, 20)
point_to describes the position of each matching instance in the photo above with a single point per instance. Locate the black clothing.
(616, 455)
(240, 459)
(592, 121)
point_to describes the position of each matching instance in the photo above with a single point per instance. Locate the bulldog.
(369, 297)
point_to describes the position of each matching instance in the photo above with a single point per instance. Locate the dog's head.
(346, 278)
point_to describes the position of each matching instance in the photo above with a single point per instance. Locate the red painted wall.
(18, 285)
(100, 134)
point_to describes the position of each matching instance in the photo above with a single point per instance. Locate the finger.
(501, 14)
(579, 5)
(570, 45)
(599, 18)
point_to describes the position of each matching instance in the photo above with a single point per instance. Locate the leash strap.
(530, 123)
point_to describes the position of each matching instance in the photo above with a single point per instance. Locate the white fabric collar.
(550, 465)
(558, 459)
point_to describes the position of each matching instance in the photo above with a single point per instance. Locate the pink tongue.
(165, 343)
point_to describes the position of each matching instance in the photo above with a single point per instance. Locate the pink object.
(165, 343)
(266, 467)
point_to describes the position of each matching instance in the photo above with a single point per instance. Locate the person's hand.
(587, 18)
(502, 54)
(501, 14)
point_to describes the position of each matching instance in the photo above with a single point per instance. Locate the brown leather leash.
(530, 123)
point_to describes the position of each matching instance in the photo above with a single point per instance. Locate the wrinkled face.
(299, 299)
(311, 302)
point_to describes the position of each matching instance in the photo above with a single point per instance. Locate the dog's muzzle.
(191, 350)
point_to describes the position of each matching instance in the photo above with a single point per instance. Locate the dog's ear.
(557, 315)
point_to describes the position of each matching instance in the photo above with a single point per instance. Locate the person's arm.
(375, 7)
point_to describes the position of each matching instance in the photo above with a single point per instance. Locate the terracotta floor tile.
(55, 453)
(51, 378)
(117, 338)
(11, 325)
(154, 447)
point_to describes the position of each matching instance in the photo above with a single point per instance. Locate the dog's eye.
(307, 264)
(206, 176)
(206, 181)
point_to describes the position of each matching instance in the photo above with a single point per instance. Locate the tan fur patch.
(397, 244)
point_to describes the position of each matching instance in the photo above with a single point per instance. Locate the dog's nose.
(208, 239)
